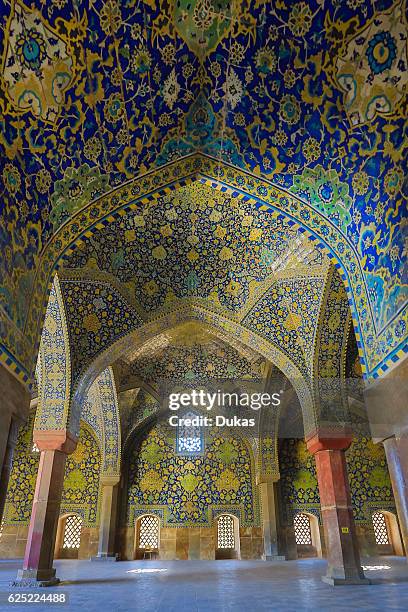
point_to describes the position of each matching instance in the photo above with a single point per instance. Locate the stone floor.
(216, 586)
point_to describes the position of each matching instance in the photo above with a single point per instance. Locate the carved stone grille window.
(226, 537)
(303, 534)
(72, 532)
(149, 532)
(189, 438)
(380, 528)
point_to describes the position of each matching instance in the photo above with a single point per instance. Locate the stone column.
(107, 528)
(394, 450)
(344, 566)
(14, 408)
(8, 461)
(269, 511)
(39, 555)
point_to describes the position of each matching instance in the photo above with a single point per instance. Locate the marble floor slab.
(215, 586)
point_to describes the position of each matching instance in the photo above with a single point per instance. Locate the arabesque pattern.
(110, 91)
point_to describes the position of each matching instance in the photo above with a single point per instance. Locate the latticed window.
(226, 537)
(189, 437)
(303, 534)
(380, 528)
(149, 532)
(72, 532)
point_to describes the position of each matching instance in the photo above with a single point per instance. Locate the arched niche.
(68, 540)
(147, 536)
(387, 533)
(219, 325)
(227, 536)
(307, 535)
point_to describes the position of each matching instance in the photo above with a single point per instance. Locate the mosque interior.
(203, 195)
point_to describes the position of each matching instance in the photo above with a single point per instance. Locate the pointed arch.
(218, 324)
(54, 367)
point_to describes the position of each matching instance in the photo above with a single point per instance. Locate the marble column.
(39, 555)
(269, 511)
(107, 528)
(396, 451)
(343, 558)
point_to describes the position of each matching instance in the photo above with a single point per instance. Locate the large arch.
(261, 192)
(217, 323)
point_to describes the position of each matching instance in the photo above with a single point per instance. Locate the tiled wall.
(184, 543)
(14, 539)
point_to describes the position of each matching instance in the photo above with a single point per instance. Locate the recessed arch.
(307, 534)
(227, 536)
(147, 536)
(262, 193)
(217, 323)
(68, 540)
(387, 533)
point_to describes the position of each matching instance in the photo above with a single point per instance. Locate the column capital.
(267, 478)
(55, 439)
(109, 481)
(329, 440)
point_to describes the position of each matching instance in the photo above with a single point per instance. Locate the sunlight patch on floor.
(147, 570)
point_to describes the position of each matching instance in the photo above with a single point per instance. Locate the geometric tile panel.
(287, 314)
(55, 375)
(380, 528)
(149, 532)
(100, 410)
(190, 488)
(301, 523)
(225, 532)
(72, 532)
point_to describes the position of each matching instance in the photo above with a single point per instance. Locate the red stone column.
(39, 554)
(344, 566)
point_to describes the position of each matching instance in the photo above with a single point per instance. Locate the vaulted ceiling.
(195, 242)
(195, 246)
(309, 95)
(190, 354)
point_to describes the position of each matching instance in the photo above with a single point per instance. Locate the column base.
(339, 581)
(35, 578)
(112, 557)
